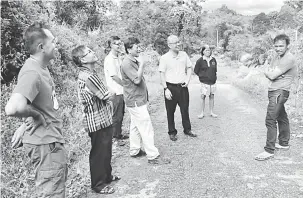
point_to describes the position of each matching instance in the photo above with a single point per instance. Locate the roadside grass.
(253, 81)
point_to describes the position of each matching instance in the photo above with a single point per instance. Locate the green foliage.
(91, 23)
(261, 23)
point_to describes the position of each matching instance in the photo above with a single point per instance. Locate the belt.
(173, 84)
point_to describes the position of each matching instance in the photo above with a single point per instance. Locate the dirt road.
(219, 163)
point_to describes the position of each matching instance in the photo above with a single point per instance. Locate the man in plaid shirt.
(97, 108)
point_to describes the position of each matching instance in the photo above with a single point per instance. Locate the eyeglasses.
(177, 42)
(89, 51)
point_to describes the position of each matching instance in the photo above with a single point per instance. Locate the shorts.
(208, 89)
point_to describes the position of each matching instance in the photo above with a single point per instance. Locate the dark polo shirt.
(134, 94)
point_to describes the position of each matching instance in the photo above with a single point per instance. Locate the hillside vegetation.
(92, 22)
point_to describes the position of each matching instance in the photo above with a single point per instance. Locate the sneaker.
(190, 134)
(278, 146)
(140, 154)
(159, 161)
(173, 137)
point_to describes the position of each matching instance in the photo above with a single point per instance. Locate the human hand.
(33, 123)
(168, 94)
(141, 60)
(108, 95)
(17, 137)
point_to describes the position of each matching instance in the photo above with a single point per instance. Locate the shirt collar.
(132, 59)
(112, 55)
(204, 58)
(85, 69)
(173, 56)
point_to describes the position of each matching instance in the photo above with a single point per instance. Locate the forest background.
(91, 22)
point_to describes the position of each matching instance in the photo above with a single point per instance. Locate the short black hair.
(282, 37)
(130, 42)
(77, 54)
(34, 35)
(202, 50)
(109, 42)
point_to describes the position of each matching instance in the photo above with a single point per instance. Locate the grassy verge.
(253, 81)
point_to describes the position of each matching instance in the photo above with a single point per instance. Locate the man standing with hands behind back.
(175, 70)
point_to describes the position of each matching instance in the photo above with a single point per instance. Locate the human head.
(113, 43)
(281, 43)
(174, 43)
(132, 46)
(83, 55)
(206, 51)
(39, 39)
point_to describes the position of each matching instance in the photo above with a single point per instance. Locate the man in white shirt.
(113, 78)
(175, 70)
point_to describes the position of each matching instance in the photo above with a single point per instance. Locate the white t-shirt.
(112, 68)
(175, 68)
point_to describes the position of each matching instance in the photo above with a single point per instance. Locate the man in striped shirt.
(97, 108)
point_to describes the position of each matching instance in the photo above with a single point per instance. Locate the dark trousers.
(276, 114)
(100, 158)
(118, 113)
(180, 97)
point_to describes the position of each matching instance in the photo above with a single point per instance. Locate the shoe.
(173, 137)
(107, 190)
(213, 115)
(200, 116)
(190, 134)
(278, 146)
(140, 154)
(264, 156)
(122, 137)
(159, 161)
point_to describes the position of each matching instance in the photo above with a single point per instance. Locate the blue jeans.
(276, 114)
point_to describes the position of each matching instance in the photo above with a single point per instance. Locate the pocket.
(33, 154)
(281, 99)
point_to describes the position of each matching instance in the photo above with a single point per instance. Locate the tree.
(261, 23)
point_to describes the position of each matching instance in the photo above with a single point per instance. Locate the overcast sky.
(245, 7)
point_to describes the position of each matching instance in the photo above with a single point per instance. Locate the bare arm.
(139, 73)
(168, 95)
(17, 107)
(117, 79)
(163, 80)
(188, 75)
(102, 94)
(279, 71)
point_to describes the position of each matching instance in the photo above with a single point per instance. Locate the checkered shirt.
(97, 113)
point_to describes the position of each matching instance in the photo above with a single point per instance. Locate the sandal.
(115, 178)
(264, 156)
(107, 190)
